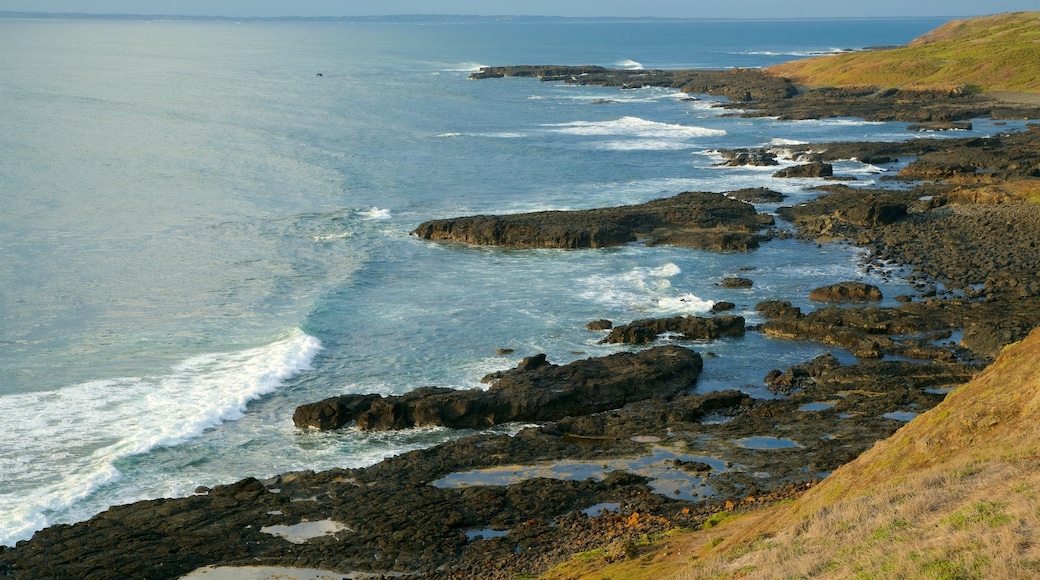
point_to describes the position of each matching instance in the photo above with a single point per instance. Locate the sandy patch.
(303, 531)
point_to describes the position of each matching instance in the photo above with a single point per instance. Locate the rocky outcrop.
(534, 391)
(678, 327)
(740, 85)
(748, 157)
(757, 195)
(695, 219)
(800, 376)
(846, 292)
(737, 282)
(815, 169)
(757, 93)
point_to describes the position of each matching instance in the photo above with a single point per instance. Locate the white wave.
(797, 53)
(644, 291)
(836, 122)
(780, 141)
(330, 237)
(505, 135)
(629, 64)
(634, 127)
(445, 135)
(464, 67)
(376, 213)
(60, 446)
(643, 145)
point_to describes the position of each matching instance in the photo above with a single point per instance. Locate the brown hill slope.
(953, 494)
(992, 53)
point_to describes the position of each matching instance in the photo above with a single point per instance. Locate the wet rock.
(778, 309)
(332, 413)
(816, 169)
(681, 327)
(696, 219)
(737, 282)
(940, 126)
(602, 324)
(757, 195)
(722, 306)
(748, 157)
(846, 292)
(800, 376)
(535, 391)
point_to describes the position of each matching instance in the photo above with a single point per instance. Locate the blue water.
(198, 233)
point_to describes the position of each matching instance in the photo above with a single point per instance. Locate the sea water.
(205, 224)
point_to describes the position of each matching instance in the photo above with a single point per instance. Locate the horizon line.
(135, 16)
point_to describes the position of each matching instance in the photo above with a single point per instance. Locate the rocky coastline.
(613, 452)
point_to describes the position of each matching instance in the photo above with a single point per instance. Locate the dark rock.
(737, 283)
(846, 292)
(749, 157)
(877, 159)
(682, 327)
(757, 195)
(872, 213)
(940, 126)
(817, 169)
(704, 220)
(722, 306)
(535, 391)
(601, 324)
(778, 308)
(868, 349)
(800, 376)
(332, 413)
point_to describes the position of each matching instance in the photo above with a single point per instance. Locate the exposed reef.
(694, 219)
(535, 391)
(757, 93)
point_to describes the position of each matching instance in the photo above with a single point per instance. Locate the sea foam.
(633, 126)
(644, 291)
(61, 446)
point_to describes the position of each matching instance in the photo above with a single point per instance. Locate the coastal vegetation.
(992, 54)
(953, 494)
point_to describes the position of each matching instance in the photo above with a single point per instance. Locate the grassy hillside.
(953, 494)
(992, 53)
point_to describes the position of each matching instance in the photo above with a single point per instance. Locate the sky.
(618, 8)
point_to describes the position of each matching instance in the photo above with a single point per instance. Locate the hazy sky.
(659, 8)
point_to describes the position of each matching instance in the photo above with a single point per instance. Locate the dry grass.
(954, 494)
(948, 522)
(995, 53)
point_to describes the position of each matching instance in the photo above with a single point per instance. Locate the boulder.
(872, 213)
(815, 169)
(800, 376)
(757, 195)
(737, 282)
(846, 292)
(682, 327)
(750, 157)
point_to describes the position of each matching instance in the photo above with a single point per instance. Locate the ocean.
(204, 224)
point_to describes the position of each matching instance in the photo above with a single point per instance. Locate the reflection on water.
(669, 472)
(766, 443)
